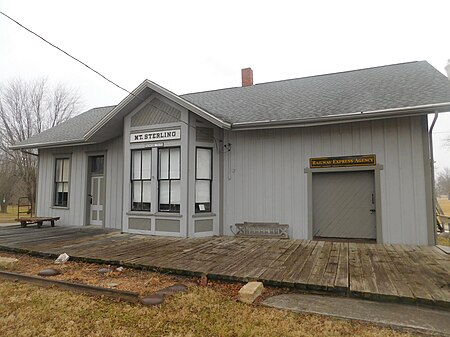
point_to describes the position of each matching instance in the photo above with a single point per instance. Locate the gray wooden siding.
(181, 123)
(155, 112)
(205, 135)
(75, 214)
(265, 180)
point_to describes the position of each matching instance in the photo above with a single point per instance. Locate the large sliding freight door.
(344, 205)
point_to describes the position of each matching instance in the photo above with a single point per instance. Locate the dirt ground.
(140, 281)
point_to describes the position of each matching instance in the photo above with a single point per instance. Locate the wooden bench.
(37, 220)
(262, 229)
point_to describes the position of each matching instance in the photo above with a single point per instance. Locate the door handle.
(90, 198)
(373, 210)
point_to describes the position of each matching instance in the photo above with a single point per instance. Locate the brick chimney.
(447, 69)
(247, 77)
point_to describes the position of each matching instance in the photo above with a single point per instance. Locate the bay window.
(169, 178)
(203, 179)
(141, 180)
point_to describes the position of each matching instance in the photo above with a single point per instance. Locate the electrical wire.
(91, 69)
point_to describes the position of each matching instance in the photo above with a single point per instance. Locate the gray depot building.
(343, 155)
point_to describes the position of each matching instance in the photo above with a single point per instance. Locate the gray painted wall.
(264, 178)
(75, 213)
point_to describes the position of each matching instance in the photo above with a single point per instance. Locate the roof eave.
(349, 117)
(75, 142)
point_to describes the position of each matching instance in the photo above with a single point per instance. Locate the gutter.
(433, 189)
(353, 116)
(75, 142)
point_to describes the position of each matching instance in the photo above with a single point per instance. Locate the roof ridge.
(104, 106)
(305, 77)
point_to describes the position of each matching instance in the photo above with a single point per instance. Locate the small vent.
(205, 134)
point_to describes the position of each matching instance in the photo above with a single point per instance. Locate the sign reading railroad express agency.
(155, 136)
(366, 160)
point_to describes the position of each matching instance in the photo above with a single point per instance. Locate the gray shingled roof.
(392, 86)
(72, 130)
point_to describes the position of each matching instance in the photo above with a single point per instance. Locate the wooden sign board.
(346, 161)
(155, 136)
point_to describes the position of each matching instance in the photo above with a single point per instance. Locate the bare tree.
(7, 183)
(28, 108)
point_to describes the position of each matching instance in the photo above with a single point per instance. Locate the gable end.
(156, 112)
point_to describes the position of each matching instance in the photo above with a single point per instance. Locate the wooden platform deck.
(400, 273)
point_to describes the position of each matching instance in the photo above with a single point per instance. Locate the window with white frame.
(203, 179)
(141, 180)
(62, 174)
(169, 179)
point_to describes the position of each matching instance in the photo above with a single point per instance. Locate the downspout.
(433, 192)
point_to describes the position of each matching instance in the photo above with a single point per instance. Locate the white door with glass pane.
(97, 197)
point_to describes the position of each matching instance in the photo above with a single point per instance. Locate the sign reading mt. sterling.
(155, 136)
(348, 161)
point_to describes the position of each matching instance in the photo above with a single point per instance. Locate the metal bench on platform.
(262, 229)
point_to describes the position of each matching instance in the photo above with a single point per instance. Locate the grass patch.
(443, 239)
(27, 310)
(11, 214)
(445, 205)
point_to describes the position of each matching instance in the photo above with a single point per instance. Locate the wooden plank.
(316, 277)
(294, 263)
(329, 275)
(342, 272)
(356, 283)
(308, 257)
(414, 273)
(277, 268)
(370, 275)
(411, 274)
(383, 274)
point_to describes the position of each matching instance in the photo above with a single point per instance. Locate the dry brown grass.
(11, 214)
(27, 310)
(445, 205)
(443, 239)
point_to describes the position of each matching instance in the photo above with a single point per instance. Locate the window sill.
(60, 207)
(203, 215)
(140, 213)
(168, 215)
(158, 214)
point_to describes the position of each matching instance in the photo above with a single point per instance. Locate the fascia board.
(350, 117)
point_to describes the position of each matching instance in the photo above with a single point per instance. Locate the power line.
(90, 68)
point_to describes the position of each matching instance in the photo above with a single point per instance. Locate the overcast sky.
(189, 46)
